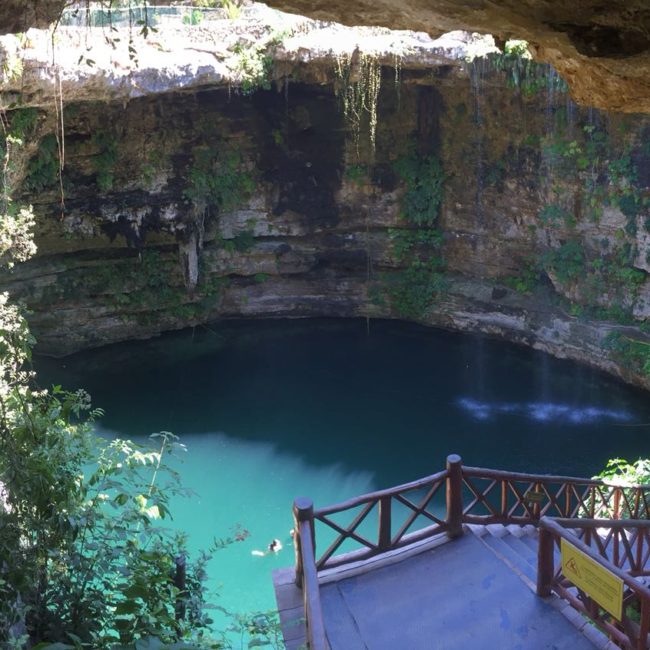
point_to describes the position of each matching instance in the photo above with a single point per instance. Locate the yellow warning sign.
(594, 579)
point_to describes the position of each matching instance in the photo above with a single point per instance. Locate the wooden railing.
(416, 498)
(473, 495)
(621, 547)
(491, 496)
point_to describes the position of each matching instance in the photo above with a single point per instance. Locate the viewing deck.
(480, 581)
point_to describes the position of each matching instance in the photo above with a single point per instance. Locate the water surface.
(271, 410)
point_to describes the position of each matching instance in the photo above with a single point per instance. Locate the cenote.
(271, 410)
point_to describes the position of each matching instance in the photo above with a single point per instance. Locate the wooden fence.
(621, 548)
(471, 495)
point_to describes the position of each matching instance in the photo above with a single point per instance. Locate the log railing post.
(303, 510)
(454, 496)
(545, 568)
(384, 537)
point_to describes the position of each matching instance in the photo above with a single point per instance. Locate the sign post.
(592, 578)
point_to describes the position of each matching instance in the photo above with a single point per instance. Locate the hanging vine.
(358, 84)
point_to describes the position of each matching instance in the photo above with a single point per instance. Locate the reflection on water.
(543, 411)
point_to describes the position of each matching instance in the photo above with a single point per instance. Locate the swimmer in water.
(274, 547)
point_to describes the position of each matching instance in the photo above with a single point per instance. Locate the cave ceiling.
(600, 47)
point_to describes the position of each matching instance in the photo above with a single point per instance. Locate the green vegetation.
(526, 281)
(145, 285)
(629, 352)
(195, 17)
(105, 159)
(23, 122)
(414, 290)
(254, 66)
(621, 472)
(554, 214)
(357, 174)
(240, 243)
(16, 221)
(424, 181)
(85, 559)
(585, 173)
(605, 177)
(524, 74)
(358, 91)
(43, 168)
(155, 162)
(567, 262)
(217, 179)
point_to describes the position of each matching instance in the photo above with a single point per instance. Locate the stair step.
(523, 550)
(515, 530)
(477, 529)
(531, 542)
(497, 530)
(504, 551)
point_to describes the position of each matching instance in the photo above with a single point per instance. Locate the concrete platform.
(453, 597)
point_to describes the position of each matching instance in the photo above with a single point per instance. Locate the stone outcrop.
(20, 15)
(205, 197)
(601, 50)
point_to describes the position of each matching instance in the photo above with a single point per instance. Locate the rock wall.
(182, 208)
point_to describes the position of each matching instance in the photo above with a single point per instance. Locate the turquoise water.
(271, 410)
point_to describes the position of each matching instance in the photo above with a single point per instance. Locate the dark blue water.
(275, 409)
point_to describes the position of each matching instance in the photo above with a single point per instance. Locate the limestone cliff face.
(178, 208)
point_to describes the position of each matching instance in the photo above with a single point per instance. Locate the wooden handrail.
(615, 524)
(376, 496)
(629, 634)
(383, 502)
(483, 472)
(306, 574)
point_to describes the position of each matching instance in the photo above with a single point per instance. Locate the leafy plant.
(356, 174)
(254, 67)
(417, 288)
(524, 74)
(105, 159)
(84, 558)
(526, 281)
(240, 243)
(567, 262)
(424, 180)
(621, 472)
(195, 17)
(629, 352)
(217, 179)
(43, 168)
(357, 86)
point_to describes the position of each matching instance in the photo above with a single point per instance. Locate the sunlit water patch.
(544, 411)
